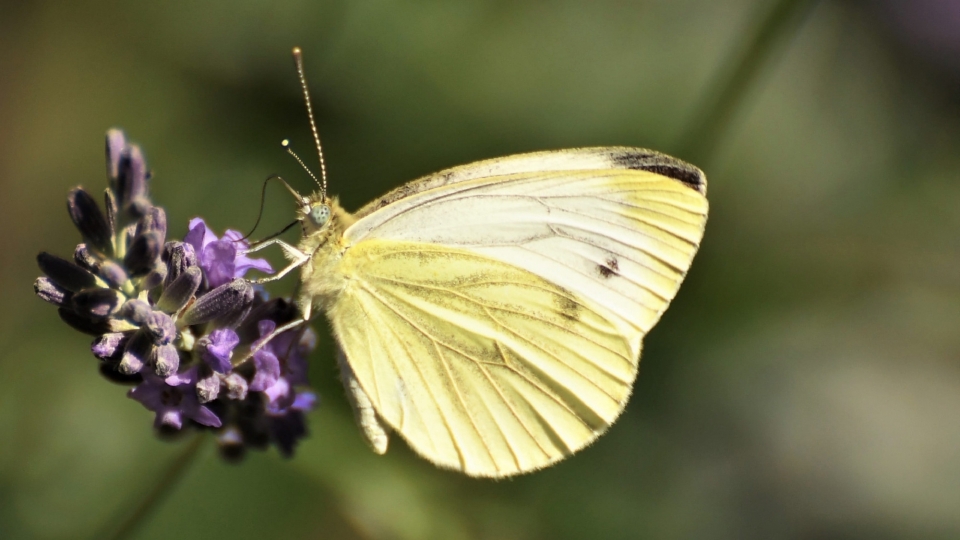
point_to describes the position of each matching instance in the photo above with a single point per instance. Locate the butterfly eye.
(319, 215)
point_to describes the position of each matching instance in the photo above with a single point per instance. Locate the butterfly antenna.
(298, 61)
(287, 146)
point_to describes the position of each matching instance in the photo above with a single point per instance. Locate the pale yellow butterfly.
(492, 314)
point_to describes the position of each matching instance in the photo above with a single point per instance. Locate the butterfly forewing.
(493, 313)
(620, 239)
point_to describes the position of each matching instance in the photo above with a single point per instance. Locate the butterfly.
(493, 314)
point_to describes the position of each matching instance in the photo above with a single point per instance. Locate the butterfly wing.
(494, 313)
(481, 366)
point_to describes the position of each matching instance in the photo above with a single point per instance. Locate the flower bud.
(156, 276)
(180, 291)
(109, 347)
(154, 220)
(49, 291)
(165, 360)
(97, 303)
(136, 311)
(116, 142)
(236, 386)
(94, 327)
(66, 274)
(131, 176)
(89, 220)
(225, 306)
(208, 386)
(85, 259)
(178, 256)
(135, 354)
(144, 252)
(110, 203)
(112, 273)
(161, 328)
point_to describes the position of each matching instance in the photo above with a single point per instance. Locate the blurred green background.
(804, 384)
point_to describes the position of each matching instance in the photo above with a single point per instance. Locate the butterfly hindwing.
(480, 365)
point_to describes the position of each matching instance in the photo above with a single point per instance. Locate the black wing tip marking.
(647, 160)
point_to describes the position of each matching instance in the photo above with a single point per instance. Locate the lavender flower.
(222, 259)
(174, 399)
(177, 319)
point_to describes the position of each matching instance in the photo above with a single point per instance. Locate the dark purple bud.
(177, 294)
(236, 386)
(225, 306)
(94, 327)
(86, 260)
(154, 278)
(161, 328)
(113, 273)
(135, 354)
(136, 311)
(144, 253)
(88, 218)
(68, 275)
(97, 303)
(131, 176)
(154, 220)
(177, 256)
(110, 203)
(111, 373)
(109, 347)
(49, 291)
(165, 360)
(116, 142)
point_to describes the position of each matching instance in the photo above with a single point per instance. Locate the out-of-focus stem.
(728, 89)
(167, 480)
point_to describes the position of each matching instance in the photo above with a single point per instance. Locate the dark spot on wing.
(662, 164)
(610, 268)
(569, 308)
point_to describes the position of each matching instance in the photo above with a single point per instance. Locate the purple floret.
(265, 361)
(222, 259)
(173, 399)
(217, 348)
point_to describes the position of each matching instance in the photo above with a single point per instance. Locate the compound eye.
(319, 215)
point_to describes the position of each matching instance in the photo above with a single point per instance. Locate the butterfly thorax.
(320, 281)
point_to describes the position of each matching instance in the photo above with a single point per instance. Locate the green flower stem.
(729, 88)
(168, 480)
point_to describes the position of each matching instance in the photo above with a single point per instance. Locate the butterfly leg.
(298, 257)
(289, 326)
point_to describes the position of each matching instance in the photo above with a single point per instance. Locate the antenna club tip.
(297, 52)
(285, 143)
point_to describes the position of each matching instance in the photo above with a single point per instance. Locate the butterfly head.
(315, 213)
